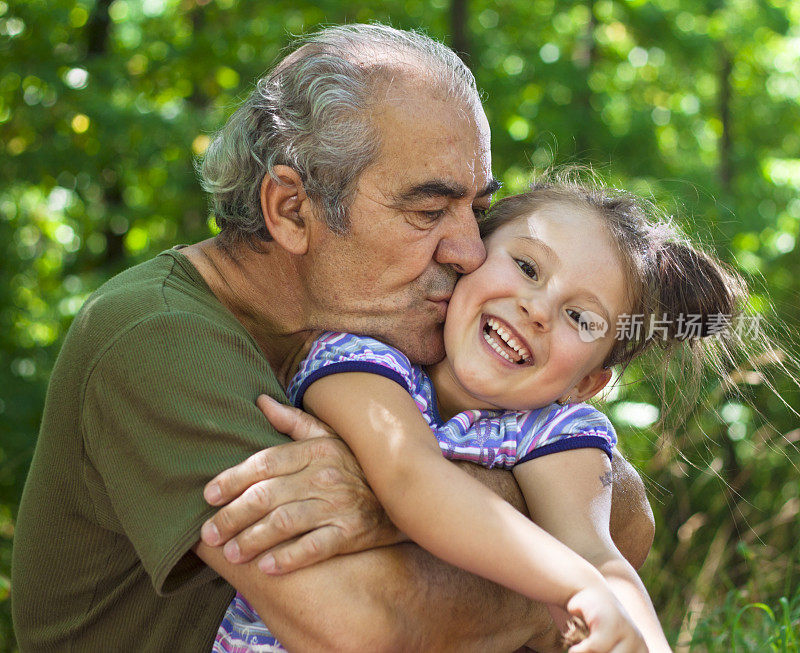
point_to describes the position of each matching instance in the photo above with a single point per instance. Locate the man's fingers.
(316, 546)
(294, 487)
(282, 524)
(295, 423)
(255, 502)
(309, 495)
(279, 460)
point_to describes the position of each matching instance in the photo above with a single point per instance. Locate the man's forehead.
(422, 100)
(431, 146)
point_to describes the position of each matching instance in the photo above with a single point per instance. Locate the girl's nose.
(536, 311)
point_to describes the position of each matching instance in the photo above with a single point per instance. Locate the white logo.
(591, 326)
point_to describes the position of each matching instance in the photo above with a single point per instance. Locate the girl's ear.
(286, 209)
(590, 385)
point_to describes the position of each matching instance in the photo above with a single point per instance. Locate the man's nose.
(461, 246)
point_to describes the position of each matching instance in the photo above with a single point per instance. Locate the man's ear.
(590, 385)
(286, 209)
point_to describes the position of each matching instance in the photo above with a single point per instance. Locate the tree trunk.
(726, 170)
(585, 58)
(97, 29)
(458, 28)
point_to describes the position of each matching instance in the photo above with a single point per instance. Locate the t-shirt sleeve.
(167, 406)
(333, 353)
(560, 428)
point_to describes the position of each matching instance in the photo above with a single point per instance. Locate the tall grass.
(724, 483)
(740, 626)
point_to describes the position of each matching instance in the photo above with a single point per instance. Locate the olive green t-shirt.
(152, 395)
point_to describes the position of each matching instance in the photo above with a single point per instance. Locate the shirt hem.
(576, 442)
(347, 366)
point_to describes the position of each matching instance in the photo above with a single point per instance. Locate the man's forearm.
(444, 608)
(395, 598)
(632, 524)
(402, 598)
(501, 482)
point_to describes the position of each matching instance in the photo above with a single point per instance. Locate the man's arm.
(263, 507)
(162, 414)
(632, 526)
(386, 598)
(395, 598)
(390, 598)
(569, 495)
(416, 601)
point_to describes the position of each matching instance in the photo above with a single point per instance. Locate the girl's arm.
(453, 516)
(569, 495)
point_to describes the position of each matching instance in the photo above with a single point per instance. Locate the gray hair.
(311, 112)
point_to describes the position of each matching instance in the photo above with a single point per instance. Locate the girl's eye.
(528, 269)
(480, 213)
(574, 315)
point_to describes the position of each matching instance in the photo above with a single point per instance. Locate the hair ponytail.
(696, 296)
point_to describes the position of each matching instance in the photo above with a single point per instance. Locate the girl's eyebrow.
(540, 244)
(596, 301)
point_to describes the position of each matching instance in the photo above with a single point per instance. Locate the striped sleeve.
(333, 353)
(560, 428)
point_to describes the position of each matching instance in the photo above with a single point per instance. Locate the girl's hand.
(610, 628)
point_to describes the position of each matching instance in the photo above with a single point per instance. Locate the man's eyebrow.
(432, 188)
(442, 188)
(491, 188)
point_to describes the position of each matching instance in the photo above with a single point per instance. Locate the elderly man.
(347, 188)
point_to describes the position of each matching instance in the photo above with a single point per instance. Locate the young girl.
(529, 337)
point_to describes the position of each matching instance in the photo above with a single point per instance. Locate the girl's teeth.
(524, 353)
(497, 347)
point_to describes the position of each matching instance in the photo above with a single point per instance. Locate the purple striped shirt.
(490, 438)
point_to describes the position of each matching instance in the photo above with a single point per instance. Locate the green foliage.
(104, 105)
(747, 627)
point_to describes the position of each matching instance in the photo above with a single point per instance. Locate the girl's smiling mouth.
(505, 341)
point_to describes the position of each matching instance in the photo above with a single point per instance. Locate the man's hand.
(301, 502)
